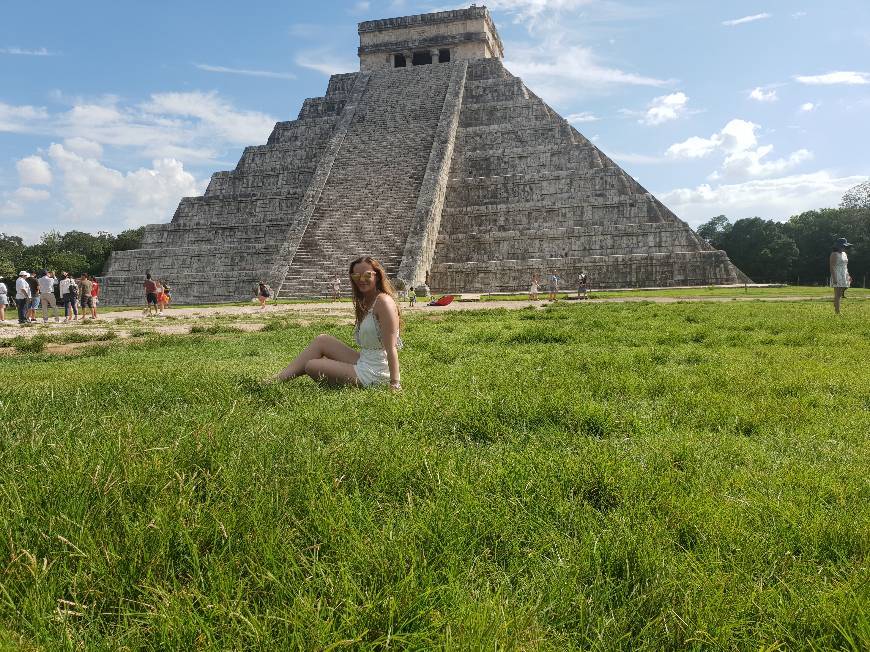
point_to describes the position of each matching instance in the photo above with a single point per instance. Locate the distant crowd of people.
(45, 291)
(553, 281)
(158, 294)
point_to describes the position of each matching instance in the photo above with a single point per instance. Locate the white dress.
(839, 272)
(372, 367)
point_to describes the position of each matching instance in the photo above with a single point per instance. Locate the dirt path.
(251, 318)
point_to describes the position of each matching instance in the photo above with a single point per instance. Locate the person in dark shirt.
(150, 295)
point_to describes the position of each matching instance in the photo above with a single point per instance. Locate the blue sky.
(112, 111)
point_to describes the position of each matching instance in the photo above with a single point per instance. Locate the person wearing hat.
(23, 295)
(840, 279)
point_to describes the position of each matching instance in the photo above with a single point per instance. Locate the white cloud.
(325, 62)
(22, 119)
(217, 116)
(776, 198)
(838, 77)
(807, 107)
(193, 126)
(583, 116)
(638, 159)
(84, 147)
(89, 190)
(531, 10)
(246, 72)
(39, 52)
(745, 19)
(665, 108)
(760, 95)
(694, 147)
(361, 7)
(26, 194)
(559, 73)
(33, 171)
(743, 156)
(799, 14)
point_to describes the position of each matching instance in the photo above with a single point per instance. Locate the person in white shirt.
(4, 300)
(68, 297)
(46, 295)
(23, 296)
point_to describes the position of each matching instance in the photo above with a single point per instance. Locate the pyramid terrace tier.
(605, 185)
(490, 138)
(540, 159)
(196, 274)
(622, 271)
(577, 242)
(596, 211)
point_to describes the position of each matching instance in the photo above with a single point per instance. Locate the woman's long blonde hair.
(382, 282)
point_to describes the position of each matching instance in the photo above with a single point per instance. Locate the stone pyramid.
(438, 162)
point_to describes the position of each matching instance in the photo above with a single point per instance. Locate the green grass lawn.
(697, 292)
(612, 476)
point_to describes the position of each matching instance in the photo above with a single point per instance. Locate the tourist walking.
(4, 300)
(329, 360)
(263, 294)
(46, 296)
(838, 263)
(33, 304)
(69, 296)
(95, 296)
(582, 282)
(86, 286)
(150, 288)
(336, 288)
(534, 288)
(23, 295)
(554, 286)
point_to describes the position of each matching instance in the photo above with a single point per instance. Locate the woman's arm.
(388, 319)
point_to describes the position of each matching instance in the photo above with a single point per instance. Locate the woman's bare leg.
(838, 293)
(322, 346)
(331, 372)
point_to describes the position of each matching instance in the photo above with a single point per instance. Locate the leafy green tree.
(857, 196)
(7, 268)
(714, 230)
(129, 239)
(762, 249)
(11, 247)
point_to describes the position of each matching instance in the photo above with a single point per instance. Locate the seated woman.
(331, 361)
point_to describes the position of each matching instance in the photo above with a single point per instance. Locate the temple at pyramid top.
(440, 37)
(437, 161)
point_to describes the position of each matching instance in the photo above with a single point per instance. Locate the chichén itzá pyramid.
(434, 159)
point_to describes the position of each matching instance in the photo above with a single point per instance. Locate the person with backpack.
(69, 292)
(86, 286)
(33, 304)
(263, 294)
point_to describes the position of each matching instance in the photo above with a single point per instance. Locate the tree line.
(73, 251)
(796, 251)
